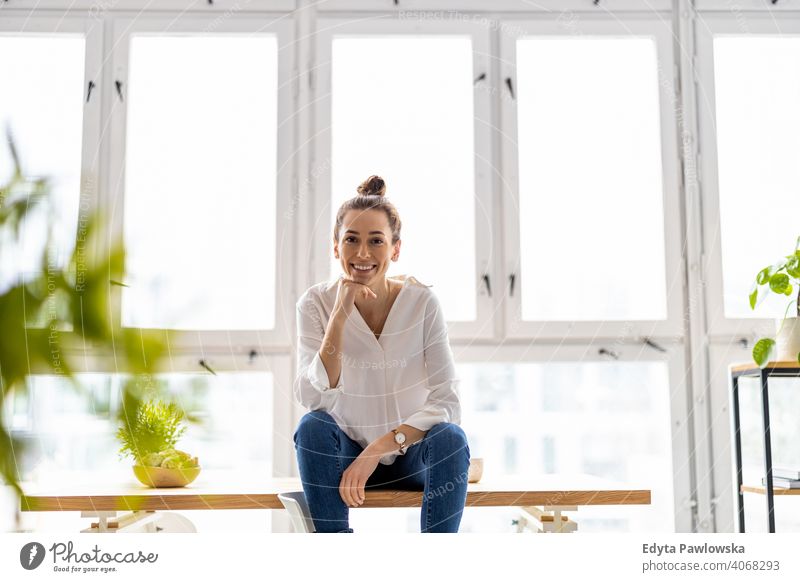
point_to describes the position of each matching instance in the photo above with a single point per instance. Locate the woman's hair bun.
(372, 186)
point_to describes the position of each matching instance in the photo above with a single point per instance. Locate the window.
(606, 419)
(65, 433)
(590, 179)
(200, 182)
(42, 105)
(402, 108)
(757, 88)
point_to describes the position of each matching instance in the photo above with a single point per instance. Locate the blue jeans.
(437, 466)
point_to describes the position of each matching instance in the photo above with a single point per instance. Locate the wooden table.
(542, 499)
(771, 370)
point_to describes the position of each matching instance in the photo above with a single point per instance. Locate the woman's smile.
(366, 268)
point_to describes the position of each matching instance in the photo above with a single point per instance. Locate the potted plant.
(149, 436)
(779, 278)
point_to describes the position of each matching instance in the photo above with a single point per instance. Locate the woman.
(376, 371)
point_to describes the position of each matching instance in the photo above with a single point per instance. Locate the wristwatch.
(400, 439)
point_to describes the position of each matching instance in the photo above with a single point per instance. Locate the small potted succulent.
(149, 437)
(778, 278)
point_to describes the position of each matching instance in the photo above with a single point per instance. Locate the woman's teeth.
(363, 269)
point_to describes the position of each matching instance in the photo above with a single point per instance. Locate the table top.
(774, 368)
(227, 490)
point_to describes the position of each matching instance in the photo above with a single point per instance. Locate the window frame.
(235, 341)
(671, 327)
(458, 8)
(482, 327)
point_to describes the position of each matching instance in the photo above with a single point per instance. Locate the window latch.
(488, 285)
(653, 344)
(206, 366)
(605, 352)
(510, 86)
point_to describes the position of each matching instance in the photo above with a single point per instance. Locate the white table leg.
(548, 519)
(151, 521)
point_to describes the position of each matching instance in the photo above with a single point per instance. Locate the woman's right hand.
(346, 294)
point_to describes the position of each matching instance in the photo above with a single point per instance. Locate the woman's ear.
(396, 254)
(335, 249)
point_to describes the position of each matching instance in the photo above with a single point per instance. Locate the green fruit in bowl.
(175, 459)
(152, 460)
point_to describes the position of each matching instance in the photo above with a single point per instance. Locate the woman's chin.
(363, 275)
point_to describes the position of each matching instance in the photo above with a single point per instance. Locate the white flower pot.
(787, 341)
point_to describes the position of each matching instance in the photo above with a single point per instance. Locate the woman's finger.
(347, 491)
(360, 495)
(342, 492)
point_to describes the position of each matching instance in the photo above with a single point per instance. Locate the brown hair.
(371, 195)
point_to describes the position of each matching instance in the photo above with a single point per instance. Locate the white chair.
(295, 504)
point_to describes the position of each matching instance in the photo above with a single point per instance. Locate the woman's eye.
(378, 240)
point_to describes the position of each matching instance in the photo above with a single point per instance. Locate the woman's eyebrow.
(370, 232)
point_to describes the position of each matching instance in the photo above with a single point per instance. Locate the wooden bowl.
(160, 477)
(475, 470)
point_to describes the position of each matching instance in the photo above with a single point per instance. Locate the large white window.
(757, 89)
(590, 179)
(408, 102)
(596, 181)
(41, 104)
(200, 182)
(402, 109)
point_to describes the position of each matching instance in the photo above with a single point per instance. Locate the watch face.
(399, 438)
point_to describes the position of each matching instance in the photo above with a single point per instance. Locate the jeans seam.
(430, 485)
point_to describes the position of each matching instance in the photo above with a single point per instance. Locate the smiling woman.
(371, 424)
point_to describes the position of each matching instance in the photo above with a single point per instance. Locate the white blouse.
(407, 376)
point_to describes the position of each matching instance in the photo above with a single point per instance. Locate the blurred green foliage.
(48, 318)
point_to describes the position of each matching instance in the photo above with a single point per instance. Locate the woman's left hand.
(354, 478)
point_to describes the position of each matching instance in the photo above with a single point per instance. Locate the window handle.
(611, 353)
(510, 86)
(653, 344)
(511, 280)
(488, 285)
(89, 92)
(119, 89)
(206, 366)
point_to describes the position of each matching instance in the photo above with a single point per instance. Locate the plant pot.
(160, 477)
(787, 340)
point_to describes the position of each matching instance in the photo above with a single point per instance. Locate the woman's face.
(365, 240)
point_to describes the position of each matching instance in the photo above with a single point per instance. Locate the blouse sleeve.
(442, 403)
(311, 385)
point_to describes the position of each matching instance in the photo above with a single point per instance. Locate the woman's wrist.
(384, 445)
(338, 315)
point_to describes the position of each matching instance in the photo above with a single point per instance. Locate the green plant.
(154, 428)
(776, 278)
(48, 319)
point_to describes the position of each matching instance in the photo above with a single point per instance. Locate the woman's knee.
(313, 426)
(449, 437)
